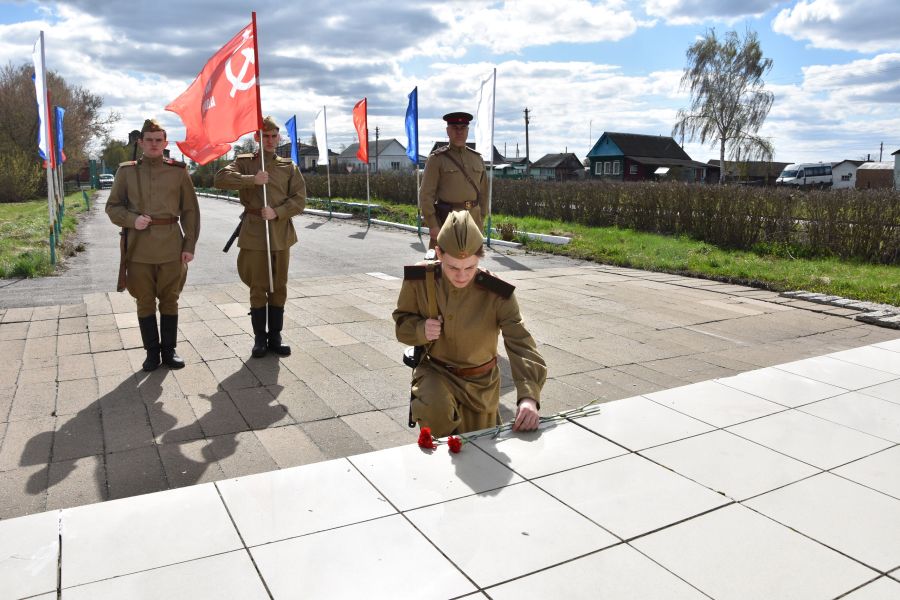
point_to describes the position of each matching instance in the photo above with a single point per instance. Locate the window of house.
(598, 168)
(606, 168)
(395, 166)
(633, 169)
(617, 168)
(846, 177)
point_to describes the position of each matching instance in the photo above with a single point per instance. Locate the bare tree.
(729, 102)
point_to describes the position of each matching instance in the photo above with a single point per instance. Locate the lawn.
(772, 268)
(24, 236)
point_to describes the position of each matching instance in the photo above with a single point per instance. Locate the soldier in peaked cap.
(457, 311)
(153, 200)
(286, 198)
(454, 179)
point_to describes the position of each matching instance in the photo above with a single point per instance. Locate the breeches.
(254, 272)
(146, 283)
(449, 404)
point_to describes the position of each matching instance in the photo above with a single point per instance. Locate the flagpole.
(45, 123)
(327, 159)
(491, 150)
(262, 152)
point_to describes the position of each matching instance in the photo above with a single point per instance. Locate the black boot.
(168, 330)
(260, 341)
(150, 337)
(276, 322)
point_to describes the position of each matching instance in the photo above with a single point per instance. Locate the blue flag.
(412, 126)
(60, 155)
(291, 126)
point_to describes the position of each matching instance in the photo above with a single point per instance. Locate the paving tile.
(837, 372)
(545, 531)
(73, 325)
(339, 396)
(14, 331)
(27, 442)
(42, 329)
(781, 387)
(332, 335)
(878, 471)
(289, 446)
(75, 395)
(638, 423)
(126, 427)
(552, 448)
(292, 502)
(381, 554)
(379, 430)
(881, 589)
(619, 573)
(29, 550)
(133, 472)
(196, 379)
(818, 507)
(714, 403)
(810, 439)
(112, 363)
(39, 347)
(302, 403)
(232, 374)
(80, 366)
(126, 320)
(45, 375)
(239, 454)
(889, 391)
(431, 476)
(144, 532)
(215, 415)
(23, 491)
(729, 464)
(76, 343)
(105, 341)
(623, 495)
(76, 482)
(384, 388)
(72, 310)
(33, 401)
(14, 315)
(78, 435)
(861, 412)
(101, 322)
(188, 463)
(231, 574)
(890, 345)
(867, 356)
(735, 553)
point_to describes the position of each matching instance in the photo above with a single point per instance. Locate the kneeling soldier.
(148, 199)
(457, 311)
(286, 197)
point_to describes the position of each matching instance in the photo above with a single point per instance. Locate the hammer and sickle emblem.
(237, 81)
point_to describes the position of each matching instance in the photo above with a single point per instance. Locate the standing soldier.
(454, 179)
(147, 200)
(457, 311)
(286, 197)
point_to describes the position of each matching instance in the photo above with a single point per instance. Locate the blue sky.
(582, 67)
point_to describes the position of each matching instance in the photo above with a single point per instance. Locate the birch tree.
(729, 102)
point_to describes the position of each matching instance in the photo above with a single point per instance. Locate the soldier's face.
(457, 134)
(153, 143)
(269, 140)
(460, 271)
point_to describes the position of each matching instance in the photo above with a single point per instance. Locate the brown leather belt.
(468, 204)
(164, 221)
(470, 372)
(253, 211)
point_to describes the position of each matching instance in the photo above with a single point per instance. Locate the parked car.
(106, 181)
(806, 175)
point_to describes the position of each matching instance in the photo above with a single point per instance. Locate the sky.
(581, 67)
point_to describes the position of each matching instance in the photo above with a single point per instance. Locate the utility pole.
(881, 152)
(376, 149)
(526, 142)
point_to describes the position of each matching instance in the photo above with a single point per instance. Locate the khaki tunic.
(443, 181)
(285, 192)
(474, 317)
(161, 189)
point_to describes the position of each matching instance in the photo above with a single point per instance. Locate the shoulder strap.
(466, 175)
(494, 284)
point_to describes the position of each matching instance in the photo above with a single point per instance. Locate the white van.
(806, 175)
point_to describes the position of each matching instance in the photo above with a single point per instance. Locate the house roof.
(877, 166)
(668, 162)
(498, 158)
(350, 151)
(552, 161)
(895, 153)
(637, 144)
(302, 149)
(752, 168)
(852, 162)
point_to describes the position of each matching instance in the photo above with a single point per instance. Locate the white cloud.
(686, 12)
(855, 25)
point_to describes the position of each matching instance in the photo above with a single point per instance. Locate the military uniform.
(456, 386)
(286, 194)
(161, 189)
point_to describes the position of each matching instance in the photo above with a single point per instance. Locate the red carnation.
(454, 443)
(425, 439)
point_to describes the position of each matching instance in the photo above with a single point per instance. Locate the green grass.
(25, 232)
(774, 268)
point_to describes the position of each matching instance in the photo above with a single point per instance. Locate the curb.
(883, 315)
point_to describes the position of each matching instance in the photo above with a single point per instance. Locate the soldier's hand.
(268, 213)
(527, 418)
(142, 222)
(261, 178)
(433, 329)
(186, 257)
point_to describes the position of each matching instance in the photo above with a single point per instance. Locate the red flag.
(360, 117)
(222, 103)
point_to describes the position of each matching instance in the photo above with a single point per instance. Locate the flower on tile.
(454, 444)
(426, 440)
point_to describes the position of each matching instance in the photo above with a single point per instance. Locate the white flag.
(322, 137)
(40, 79)
(484, 118)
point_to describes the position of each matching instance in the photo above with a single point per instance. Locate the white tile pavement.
(779, 483)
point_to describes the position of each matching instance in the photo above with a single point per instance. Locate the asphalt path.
(326, 247)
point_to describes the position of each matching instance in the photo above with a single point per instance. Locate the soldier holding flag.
(286, 196)
(153, 200)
